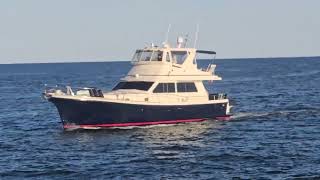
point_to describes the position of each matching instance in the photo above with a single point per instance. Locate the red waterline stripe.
(132, 124)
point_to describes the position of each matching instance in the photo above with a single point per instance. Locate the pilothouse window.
(156, 56)
(179, 57)
(168, 57)
(137, 55)
(147, 55)
(139, 85)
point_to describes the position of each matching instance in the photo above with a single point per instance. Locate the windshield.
(147, 55)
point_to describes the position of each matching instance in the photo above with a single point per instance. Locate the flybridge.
(172, 63)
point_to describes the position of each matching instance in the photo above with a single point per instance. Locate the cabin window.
(179, 57)
(138, 85)
(165, 88)
(156, 56)
(186, 87)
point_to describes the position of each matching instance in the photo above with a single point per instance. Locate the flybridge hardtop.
(164, 86)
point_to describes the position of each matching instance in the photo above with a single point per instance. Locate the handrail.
(65, 85)
(217, 96)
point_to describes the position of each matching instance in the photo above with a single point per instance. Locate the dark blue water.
(274, 134)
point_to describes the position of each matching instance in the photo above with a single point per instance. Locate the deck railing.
(93, 92)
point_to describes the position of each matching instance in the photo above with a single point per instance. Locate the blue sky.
(101, 30)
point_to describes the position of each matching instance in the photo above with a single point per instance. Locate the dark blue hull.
(76, 113)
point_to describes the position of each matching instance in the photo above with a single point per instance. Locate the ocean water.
(274, 132)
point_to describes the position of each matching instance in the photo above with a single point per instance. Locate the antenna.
(167, 35)
(196, 36)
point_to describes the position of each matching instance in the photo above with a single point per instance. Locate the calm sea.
(274, 133)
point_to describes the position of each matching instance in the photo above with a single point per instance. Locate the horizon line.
(100, 61)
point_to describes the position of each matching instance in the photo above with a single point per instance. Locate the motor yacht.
(164, 86)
